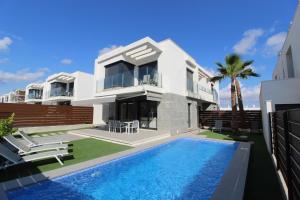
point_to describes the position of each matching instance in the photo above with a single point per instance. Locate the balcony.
(203, 92)
(59, 92)
(34, 96)
(120, 81)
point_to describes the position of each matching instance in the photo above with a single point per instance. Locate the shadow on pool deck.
(262, 182)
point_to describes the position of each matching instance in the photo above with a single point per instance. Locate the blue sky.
(39, 38)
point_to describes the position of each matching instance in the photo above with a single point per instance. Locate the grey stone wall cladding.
(172, 114)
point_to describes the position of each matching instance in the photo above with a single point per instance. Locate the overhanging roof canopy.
(63, 77)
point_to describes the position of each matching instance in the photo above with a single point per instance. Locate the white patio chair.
(110, 125)
(218, 126)
(134, 125)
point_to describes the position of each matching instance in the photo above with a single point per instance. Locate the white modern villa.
(282, 92)
(17, 96)
(61, 89)
(157, 83)
(34, 93)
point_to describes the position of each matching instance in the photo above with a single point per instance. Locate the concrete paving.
(133, 139)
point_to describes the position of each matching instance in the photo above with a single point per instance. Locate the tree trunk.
(240, 103)
(233, 105)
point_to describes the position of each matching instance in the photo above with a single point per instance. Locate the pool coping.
(233, 182)
(48, 175)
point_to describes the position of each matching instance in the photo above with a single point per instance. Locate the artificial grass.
(262, 181)
(82, 150)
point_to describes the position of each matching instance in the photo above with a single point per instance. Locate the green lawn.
(81, 150)
(262, 182)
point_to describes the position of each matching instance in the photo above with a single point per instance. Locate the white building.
(157, 83)
(17, 96)
(283, 91)
(61, 89)
(34, 93)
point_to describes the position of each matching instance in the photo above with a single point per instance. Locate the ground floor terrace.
(165, 113)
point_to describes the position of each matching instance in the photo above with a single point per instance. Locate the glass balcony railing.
(34, 96)
(197, 88)
(60, 92)
(127, 80)
(153, 80)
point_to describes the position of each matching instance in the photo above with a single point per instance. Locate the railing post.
(288, 158)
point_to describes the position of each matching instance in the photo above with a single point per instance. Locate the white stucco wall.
(292, 41)
(277, 92)
(83, 85)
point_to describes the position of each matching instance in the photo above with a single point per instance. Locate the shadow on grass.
(262, 182)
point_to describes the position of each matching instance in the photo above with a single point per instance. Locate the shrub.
(6, 126)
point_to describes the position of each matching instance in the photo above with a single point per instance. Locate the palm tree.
(235, 68)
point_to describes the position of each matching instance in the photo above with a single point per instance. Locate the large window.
(148, 74)
(119, 74)
(189, 80)
(35, 94)
(58, 89)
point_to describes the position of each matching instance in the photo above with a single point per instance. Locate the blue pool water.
(183, 169)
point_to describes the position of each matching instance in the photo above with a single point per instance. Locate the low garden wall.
(28, 115)
(208, 118)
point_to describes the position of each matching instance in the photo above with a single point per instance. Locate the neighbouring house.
(34, 93)
(282, 91)
(17, 96)
(157, 83)
(61, 89)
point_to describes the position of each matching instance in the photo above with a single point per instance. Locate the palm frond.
(247, 63)
(248, 72)
(220, 65)
(216, 78)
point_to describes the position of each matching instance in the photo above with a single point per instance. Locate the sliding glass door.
(144, 111)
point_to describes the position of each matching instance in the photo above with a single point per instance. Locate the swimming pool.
(182, 169)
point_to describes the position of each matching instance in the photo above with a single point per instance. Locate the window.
(58, 89)
(189, 80)
(290, 63)
(119, 74)
(148, 73)
(71, 88)
(35, 94)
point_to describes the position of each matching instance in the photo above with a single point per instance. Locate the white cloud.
(250, 94)
(66, 61)
(274, 43)
(22, 75)
(247, 44)
(4, 43)
(107, 49)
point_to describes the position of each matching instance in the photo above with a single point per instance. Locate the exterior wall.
(83, 85)
(292, 41)
(283, 89)
(276, 92)
(172, 113)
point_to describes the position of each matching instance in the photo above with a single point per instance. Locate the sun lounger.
(33, 143)
(15, 159)
(23, 149)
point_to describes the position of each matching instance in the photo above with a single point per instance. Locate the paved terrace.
(144, 136)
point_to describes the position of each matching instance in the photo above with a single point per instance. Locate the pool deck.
(134, 139)
(21, 182)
